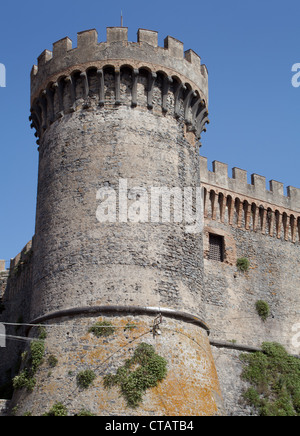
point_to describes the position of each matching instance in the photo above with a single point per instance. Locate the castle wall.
(229, 369)
(15, 297)
(146, 263)
(263, 229)
(190, 387)
(116, 119)
(263, 226)
(231, 295)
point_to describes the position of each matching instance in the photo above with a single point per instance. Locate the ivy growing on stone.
(274, 376)
(143, 371)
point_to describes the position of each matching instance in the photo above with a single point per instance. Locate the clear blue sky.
(249, 48)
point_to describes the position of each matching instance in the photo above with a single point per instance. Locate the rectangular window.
(216, 247)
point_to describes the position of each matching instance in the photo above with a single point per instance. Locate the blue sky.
(249, 48)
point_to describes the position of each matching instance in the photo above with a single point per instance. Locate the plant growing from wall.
(84, 412)
(262, 308)
(85, 378)
(130, 326)
(57, 409)
(102, 329)
(42, 333)
(33, 359)
(37, 350)
(243, 264)
(143, 371)
(28, 413)
(52, 361)
(274, 376)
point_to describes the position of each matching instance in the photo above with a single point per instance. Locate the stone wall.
(4, 405)
(229, 370)
(189, 388)
(262, 226)
(16, 289)
(273, 275)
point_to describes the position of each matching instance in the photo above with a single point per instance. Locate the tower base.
(102, 345)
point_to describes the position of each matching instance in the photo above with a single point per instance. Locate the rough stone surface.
(273, 277)
(190, 388)
(4, 406)
(229, 368)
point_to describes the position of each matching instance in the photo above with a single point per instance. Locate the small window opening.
(216, 247)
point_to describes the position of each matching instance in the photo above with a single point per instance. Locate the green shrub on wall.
(274, 376)
(57, 410)
(143, 371)
(34, 359)
(262, 308)
(243, 264)
(85, 378)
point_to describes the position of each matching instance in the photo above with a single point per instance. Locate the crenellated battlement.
(252, 206)
(110, 73)
(145, 52)
(257, 190)
(68, 79)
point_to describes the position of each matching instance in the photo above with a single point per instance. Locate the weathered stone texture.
(191, 386)
(231, 295)
(4, 405)
(16, 288)
(137, 261)
(229, 369)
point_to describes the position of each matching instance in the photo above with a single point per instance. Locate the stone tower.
(116, 123)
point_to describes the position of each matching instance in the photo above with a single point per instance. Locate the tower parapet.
(257, 189)
(250, 206)
(68, 77)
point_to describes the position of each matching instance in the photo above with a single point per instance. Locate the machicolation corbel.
(64, 80)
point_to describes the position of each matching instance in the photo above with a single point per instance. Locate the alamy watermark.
(2, 76)
(296, 76)
(153, 204)
(2, 336)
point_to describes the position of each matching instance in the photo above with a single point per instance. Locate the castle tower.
(118, 224)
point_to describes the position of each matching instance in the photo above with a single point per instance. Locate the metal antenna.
(121, 18)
